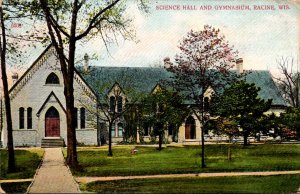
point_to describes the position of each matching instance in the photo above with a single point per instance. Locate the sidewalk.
(53, 176)
(214, 174)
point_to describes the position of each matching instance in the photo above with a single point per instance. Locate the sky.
(260, 36)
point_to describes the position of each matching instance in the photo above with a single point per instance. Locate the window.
(160, 108)
(82, 118)
(52, 79)
(120, 129)
(21, 118)
(146, 129)
(120, 103)
(113, 130)
(112, 102)
(76, 118)
(29, 118)
(171, 128)
(206, 104)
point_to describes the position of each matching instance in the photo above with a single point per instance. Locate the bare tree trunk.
(69, 95)
(10, 144)
(109, 139)
(203, 165)
(245, 137)
(67, 68)
(1, 116)
(71, 132)
(160, 140)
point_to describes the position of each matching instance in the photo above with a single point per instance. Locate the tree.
(162, 109)
(3, 50)
(223, 125)
(10, 51)
(290, 121)
(240, 102)
(289, 81)
(117, 99)
(69, 22)
(204, 61)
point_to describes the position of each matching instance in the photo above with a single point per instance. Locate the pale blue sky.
(260, 36)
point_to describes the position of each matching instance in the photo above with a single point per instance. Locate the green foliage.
(26, 163)
(241, 184)
(161, 109)
(164, 107)
(223, 125)
(15, 187)
(290, 123)
(240, 103)
(131, 117)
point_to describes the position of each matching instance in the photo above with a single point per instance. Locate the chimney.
(167, 63)
(15, 77)
(239, 66)
(86, 62)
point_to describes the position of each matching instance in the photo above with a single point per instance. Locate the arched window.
(146, 129)
(76, 118)
(52, 79)
(112, 102)
(29, 118)
(82, 118)
(120, 103)
(52, 113)
(171, 129)
(21, 117)
(113, 130)
(160, 108)
(120, 129)
(206, 104)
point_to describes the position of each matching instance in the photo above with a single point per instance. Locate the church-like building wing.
(38, 105)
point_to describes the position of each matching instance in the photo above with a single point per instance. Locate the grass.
(27, 162)
(243, 184)
(15, 187)
(147, 161)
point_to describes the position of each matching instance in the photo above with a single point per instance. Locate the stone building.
(38, 105)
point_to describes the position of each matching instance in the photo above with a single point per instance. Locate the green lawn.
(27, 162)
(148, 160)
(15, 187)
(244, 184)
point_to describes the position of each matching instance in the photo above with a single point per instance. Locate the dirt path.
(53, 176)
(221, 174)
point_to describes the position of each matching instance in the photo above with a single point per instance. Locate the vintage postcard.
(162, 96)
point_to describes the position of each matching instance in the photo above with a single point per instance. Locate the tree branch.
(96, 20)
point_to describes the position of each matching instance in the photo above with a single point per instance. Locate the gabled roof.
(47, 99)
(144, 79)
(264, 80)
(37, 64)
(29, 69)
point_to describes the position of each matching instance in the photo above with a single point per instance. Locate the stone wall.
(86, 136)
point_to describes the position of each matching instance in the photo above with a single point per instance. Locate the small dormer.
(116, 98)
(207, 97)
(157, 88)
(209, 92)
